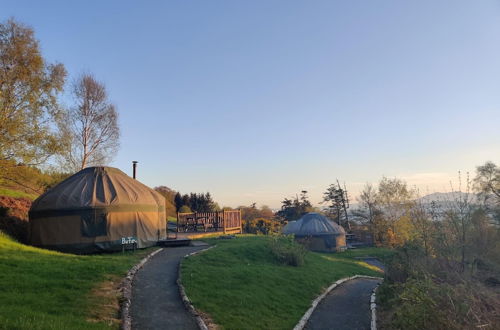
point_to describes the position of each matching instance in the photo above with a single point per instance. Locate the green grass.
(16, 193)
(41, 289)
(240, 285)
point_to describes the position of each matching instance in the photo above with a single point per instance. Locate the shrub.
(261, 226)
(430, 292)
(287, 251)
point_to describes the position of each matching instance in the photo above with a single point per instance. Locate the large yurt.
(97, 209)
(317, 232)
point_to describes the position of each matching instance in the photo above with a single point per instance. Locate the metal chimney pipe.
(134, 168)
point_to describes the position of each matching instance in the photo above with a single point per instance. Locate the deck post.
(195, 221)
(241, 223)
(224, 220)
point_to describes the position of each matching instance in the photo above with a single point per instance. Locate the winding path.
(347, 307)
(156, 301)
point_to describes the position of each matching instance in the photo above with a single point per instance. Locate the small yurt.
(97, 209)
(317, 232)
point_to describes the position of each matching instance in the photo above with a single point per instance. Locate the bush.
(261, 226)
(430, 292)
(287, 251)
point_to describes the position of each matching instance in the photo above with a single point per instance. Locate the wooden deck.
(226, 222)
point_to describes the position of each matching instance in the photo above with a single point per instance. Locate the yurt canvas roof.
(97, 187)
(313, 224)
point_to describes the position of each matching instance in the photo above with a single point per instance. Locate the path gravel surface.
(156, 301)
(347, 307)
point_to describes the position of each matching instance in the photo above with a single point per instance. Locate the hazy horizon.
(256, 101)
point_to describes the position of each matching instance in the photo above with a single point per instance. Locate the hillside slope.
(42, 289)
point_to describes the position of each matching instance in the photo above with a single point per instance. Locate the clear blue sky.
(257, 100)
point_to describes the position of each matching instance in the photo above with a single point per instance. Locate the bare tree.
(92, 125)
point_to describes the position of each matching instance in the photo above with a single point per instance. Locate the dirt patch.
(105, 302)
(209, 322)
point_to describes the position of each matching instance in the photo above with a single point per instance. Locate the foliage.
(42, 289)
(287, 251)
(253, 212)
(259, 220)
(487, 180)
(16, 193)
(429, 294)
(387, 210)
(293, 209)
(241, 286)
(169, 195)
(28, 181)
(28, 98)
(195, 202)
(487, 185)
(261, 226)
(185, 209)
(444, 273)
(90, 126)
(338, 201)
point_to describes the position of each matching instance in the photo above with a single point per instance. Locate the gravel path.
(347, 307)
(156, 302)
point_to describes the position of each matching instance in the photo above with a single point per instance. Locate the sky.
(255, 101)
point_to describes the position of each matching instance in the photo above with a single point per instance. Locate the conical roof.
(97, 187)
(313, 224)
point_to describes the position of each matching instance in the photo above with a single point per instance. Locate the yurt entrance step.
(174, 242)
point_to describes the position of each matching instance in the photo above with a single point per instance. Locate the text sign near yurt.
(95, 210)
(318, 233)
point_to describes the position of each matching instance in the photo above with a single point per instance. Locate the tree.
(178, 201)
(169, 195)
(367, 200)
(185, 209)
(92, 125)
(487, 180)
(294, 209)
(395, 200)
(29, 88)
(339, 203)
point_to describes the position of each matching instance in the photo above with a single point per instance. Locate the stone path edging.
(373, 308)
(185, 299)
(316, 301)
(126, 290)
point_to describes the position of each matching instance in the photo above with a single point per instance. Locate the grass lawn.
(41, 289)
(16, 193)
(240, 285)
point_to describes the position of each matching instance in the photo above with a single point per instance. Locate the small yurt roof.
(97, 187)
(313, 224)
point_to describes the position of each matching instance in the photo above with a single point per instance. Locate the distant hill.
(447, 197)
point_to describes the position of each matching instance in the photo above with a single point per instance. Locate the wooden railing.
(226, 221)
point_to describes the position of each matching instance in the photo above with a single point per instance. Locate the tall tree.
(338, 201)
(368, 202)
(92, 125)
(28, 98)
(487, 180)
(293, 209)
(395, 201)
